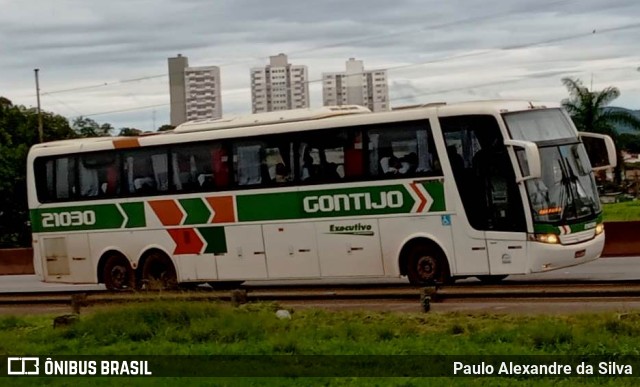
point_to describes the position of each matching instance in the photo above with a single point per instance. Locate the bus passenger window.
(194, 168)
(402, 150)
(331, 156)
(146, 171)
(267, 162)
(55, 179)
(98, 173)
(248, 165)
(220, 166)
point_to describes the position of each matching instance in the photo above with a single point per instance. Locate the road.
(604, 269)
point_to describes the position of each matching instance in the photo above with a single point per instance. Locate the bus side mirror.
(529, 159)
(600, 149)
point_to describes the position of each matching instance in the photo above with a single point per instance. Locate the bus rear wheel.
(426, 265)
(118, 274)
(158, 273)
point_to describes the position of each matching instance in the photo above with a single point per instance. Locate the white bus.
(433, 192)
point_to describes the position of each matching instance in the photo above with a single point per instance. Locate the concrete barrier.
(622, 239)
(16, 261)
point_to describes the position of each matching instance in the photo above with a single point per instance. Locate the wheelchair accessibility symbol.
(446, 220)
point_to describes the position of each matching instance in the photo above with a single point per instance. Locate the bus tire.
(118, 273)
(426, 265)
(158, 272)
(491, 279)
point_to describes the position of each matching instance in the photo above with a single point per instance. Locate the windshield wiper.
(571, 181)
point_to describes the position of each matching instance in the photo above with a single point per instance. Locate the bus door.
(490, 197)
(67, 258)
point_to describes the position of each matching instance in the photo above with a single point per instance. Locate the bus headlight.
(599, 228)
(545, 238)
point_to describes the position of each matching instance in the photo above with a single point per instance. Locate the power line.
(502, 82)
(468, 20)
(126, 110)
(451, 57)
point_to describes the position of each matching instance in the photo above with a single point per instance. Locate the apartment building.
(279, 86)
(356, 86)
(202, 93)
(194, 92)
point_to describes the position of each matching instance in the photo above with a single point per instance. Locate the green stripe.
(575, 227)
(436, 190)
(359, 201)
(94, 217)
(197, 211)
(321, 203)
(135, 214)
(215, 238)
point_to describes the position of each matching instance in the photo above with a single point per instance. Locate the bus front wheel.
(426, 265)
(118, 274)
(159, 273)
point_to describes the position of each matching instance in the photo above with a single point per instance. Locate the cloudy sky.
(108, 59)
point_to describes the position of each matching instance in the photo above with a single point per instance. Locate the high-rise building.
(202, 92)
(279, 86)
(194, 92)
(356, 87)
(178, 108)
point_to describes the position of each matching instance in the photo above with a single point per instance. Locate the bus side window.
(331, 156)
(147, 171)
(55, 179)
(89, 184)
(98, 174)
(220, 166)
(248, 164)
(194, 168)
(309, 165)
(402, 150)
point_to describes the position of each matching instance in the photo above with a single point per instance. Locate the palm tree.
(589, 113)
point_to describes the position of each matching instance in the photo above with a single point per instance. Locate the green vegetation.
(626, 211)
(173, 328)
(590, 113)
(18, 132)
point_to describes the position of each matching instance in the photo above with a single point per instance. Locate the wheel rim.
(427, 267)
(119, 276)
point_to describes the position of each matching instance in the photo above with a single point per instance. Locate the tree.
(629, 142)
(587, 110)
(166, 127)
(129, 132)
(86, 127)
(18, 132)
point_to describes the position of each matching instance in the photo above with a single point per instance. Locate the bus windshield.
(567, 190)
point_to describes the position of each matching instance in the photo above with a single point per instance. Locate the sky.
(107, 60)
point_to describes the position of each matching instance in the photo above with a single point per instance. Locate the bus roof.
(269, 118)
(308, 119)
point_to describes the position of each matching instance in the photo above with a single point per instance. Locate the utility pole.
(40, 130)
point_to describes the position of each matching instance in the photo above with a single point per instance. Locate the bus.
(432, 192)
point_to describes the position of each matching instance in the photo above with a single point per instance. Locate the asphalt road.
(604, 269)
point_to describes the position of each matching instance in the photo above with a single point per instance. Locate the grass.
(200, 328)
(626, 211)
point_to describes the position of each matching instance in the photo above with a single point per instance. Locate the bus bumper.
(546, 257)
